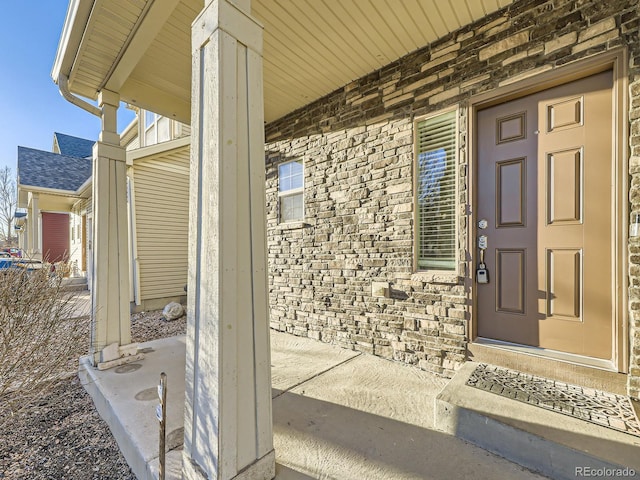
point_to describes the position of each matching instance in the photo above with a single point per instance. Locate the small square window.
(291, 208)
(290, 175)
(291, 191)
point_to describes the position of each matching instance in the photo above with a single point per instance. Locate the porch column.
(28, 228)
(228, 425)
(34, 225)
(111, 322)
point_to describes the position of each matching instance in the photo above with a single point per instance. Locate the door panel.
(545, 189)
(510, 290)
(565, 186)
(510, 194)
(511, 127)
(564, 114)
(564, 284)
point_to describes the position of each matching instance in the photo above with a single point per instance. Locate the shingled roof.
(73, 146)
(37, 168)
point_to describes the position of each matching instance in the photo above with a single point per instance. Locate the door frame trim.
(617, 61)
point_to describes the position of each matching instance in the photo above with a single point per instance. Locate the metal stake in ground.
(161, 414)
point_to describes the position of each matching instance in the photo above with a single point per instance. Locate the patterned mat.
(602, 408)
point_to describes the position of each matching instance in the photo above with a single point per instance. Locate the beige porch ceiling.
(142, 49)
(48, 199)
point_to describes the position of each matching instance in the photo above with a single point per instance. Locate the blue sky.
(31, 107)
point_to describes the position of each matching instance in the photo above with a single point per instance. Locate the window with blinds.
(291, 191)
(436, 192)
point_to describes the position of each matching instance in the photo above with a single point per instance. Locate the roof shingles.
(38, 168)
(74, 146)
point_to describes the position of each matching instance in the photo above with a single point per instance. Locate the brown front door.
(545, 191)
(55, 237)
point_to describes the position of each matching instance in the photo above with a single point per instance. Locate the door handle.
(482, 274)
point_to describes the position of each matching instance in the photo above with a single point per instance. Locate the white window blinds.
(436, 191)
(291, 191)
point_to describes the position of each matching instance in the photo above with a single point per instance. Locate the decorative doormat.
(595, 406)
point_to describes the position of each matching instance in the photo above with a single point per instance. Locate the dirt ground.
(61, 436)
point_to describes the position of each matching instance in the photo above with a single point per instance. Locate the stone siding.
(634, 242)
(357, 148)
(358, 230)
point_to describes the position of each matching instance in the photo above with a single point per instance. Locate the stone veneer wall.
(634, 197)
(357, 148)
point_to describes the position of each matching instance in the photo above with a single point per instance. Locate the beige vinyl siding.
(75, 243)
(183, 130)
(135, 143)
(81, 208)
(86, 205)
(161, 190)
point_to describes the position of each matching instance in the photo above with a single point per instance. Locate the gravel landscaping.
(60, 435)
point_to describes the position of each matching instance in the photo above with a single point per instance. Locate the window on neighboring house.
(156, 128)
(291, 191)
(436, 192)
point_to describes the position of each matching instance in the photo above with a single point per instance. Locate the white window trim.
(154, 124)
(290, 193)
(431, 274)
(146, 128)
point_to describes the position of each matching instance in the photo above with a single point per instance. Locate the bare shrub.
(8, 200)
(41, 336)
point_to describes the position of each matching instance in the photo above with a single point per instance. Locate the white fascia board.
(82, 190)
(75, 24)
(130, 133)
(48, 191)
(157, 148)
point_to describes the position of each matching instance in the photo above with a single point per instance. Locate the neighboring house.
(158, 190)
(441, 184)
(50, 186)
(72, 146)
(158, 164)
(19, 222)
(80, 214)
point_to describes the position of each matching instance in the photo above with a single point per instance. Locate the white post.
(228, 424)
(29, 227)
(111, 321)
(34, 225)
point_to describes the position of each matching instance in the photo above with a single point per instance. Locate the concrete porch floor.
(337, 415)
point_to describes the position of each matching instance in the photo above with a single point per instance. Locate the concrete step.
(75, 288)
(556, 445)
(337, 414)
(74, 284)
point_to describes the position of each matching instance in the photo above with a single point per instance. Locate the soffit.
(56, 202)
(46, 200)
(311, 47)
